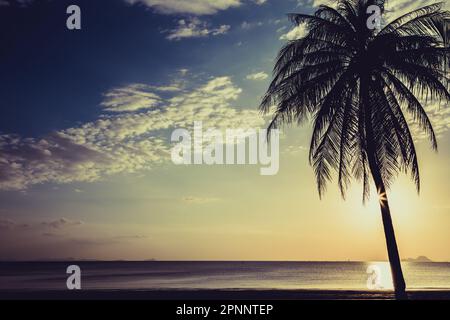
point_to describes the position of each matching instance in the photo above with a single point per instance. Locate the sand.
(228, 294)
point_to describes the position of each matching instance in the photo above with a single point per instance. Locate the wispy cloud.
(195, 28)
(394, 9)
(131, 98)
(250, 25)
(61, 223)
(194, 7)
(6, 224)
(198, 200)
(22, 3)
(294, 149)
(281, 29)
(440, 119)
(126, 142)
(257, 76)
(90, 241)
(398, 8)
(296, 33)
(198, 7)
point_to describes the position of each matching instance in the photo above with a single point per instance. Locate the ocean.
(153, 275)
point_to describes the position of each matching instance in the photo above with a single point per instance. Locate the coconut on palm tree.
(358, 84)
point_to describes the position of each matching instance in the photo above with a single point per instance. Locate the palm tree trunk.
(391, 243)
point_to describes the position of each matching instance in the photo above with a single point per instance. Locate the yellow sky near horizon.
(233, 213)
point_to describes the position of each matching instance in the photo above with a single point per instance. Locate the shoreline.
(219, 294)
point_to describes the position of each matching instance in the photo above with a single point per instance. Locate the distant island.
(418, 259)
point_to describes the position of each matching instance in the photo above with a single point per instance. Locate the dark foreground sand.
(219, 295)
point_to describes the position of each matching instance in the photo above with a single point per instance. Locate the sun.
(382, 198)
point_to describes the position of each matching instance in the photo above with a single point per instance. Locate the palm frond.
(356, 85)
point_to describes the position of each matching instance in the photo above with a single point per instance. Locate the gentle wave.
(219, 275)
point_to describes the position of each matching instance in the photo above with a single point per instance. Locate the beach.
(219, 295)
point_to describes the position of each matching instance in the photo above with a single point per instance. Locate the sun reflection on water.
(383, 274)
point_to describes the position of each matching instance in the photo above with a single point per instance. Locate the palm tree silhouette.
(356, 82)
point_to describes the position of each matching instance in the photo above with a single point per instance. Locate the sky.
(86, 118)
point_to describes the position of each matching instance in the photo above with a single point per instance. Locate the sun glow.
(382, 198)
(382, 277)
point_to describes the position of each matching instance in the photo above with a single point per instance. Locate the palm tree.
(357, 83)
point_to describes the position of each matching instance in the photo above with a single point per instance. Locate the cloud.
(195, 28)
(105, 240)
(281, 29)
(22, 3)
(257, 76)
(61, 223)
(440, 119)
(28, 161)
(197, 7)
(131, 98)
(394, 8)
(317, 3)
(398, 8)
(51, 235)
(52, 239)
(132, 237)
(295, 149)
(198, 200)
(193, 7)
(6, 224)
(124, 142)
(250, 25)
(296, 33)
(90, 241)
